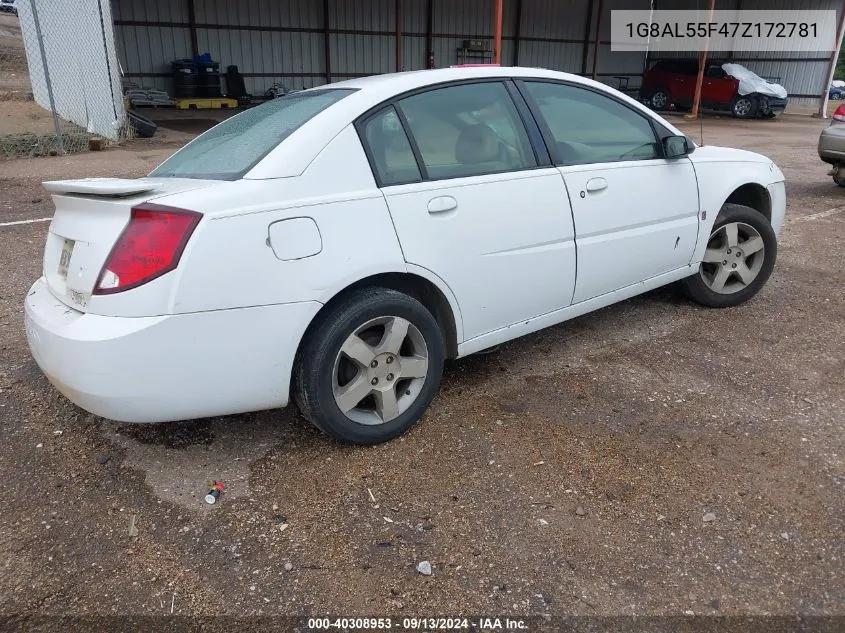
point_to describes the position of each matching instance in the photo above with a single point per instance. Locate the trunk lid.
(90, 215)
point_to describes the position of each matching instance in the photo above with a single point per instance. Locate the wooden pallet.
(205, 104)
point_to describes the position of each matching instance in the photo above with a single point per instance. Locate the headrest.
(477, 144)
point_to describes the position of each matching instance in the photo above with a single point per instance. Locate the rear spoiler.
(114, 187)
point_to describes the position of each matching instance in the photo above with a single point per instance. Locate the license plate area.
(64, 259)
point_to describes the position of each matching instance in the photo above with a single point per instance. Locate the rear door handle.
(441, 204)
(596, 184)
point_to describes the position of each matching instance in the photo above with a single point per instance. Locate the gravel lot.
(653, 458)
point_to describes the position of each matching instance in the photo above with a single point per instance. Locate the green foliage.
(840, 66)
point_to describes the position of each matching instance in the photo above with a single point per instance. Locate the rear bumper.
(166, 368)
(832, 144)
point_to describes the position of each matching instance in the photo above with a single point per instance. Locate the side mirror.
(677, 147)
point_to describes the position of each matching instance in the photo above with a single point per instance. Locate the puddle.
(180, 459)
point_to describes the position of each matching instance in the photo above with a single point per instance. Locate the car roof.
(293, 156)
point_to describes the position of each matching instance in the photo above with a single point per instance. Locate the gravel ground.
(653, 458)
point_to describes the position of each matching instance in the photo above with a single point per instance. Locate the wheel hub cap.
(380, 370)
(733, 259)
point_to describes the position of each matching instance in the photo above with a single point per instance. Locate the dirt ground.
(571, 472)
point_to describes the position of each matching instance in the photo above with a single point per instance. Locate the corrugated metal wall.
(272, 41)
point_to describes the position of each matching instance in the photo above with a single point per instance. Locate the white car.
(338, 244)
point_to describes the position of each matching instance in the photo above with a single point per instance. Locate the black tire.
(696, 288)
(144, 128)
(744, 107)
(839, 175)
(314, 369)
(660, 99)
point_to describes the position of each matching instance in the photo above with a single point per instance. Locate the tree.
(839, 73)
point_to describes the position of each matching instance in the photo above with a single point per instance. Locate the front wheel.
(739, 259)
(743, 107)
(370, 366)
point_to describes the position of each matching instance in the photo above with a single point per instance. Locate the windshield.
(229, 150)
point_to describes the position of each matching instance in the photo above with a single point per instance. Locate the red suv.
(672, 82)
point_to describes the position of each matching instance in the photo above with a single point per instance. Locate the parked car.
(735, 88)
(340, 243)
(836, 93)
(8, 6)
(832, 145)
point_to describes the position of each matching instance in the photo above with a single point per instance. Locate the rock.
(715, 604)
(288, 566)
(133, 529)
(542, 522)
(103, 459)
(709, 517)
(784, 536)
(580, 511)
(280, 518)
(424, 568)
(96, 144)
(689, 612)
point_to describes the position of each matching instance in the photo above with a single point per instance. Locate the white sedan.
(338, 244)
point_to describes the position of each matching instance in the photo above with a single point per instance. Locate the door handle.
(441, 204)
(596, 184)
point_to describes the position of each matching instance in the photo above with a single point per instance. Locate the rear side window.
(229, 150)
(588, 127)
(390, 152)
(468, 130)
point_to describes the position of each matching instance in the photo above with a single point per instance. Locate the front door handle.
(441, 204)
(596, 184)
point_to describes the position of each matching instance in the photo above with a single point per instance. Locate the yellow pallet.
(205, 104)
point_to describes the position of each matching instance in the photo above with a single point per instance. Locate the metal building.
(304, 43)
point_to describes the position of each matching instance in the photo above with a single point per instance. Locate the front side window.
(230, 149)
(390, 152)
(468, 130)
(588, 127)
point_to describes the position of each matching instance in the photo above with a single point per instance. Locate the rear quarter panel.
(230, 264)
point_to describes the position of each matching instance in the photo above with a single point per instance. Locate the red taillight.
(150, 246)
(839, 115)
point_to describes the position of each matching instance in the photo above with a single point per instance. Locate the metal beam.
(327, 51)
(702, 61)
(832, 68)
(192, 25)
(586, 41)
(518, 27)
(497, 34)
(429, 34)
(598, 33)
(398, 12)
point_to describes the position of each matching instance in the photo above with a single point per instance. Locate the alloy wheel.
(743, 107)
(733, 259)
(380, 370)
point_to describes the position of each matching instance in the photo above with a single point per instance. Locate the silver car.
(832, 146)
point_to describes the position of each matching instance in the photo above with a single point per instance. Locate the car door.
(475, 201)
(683, 82)
(636, 213)
(718, 88)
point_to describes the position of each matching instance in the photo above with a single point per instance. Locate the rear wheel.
(739, 259)
(370, 367)
(743, 107)
(660, 99)
(839, 175)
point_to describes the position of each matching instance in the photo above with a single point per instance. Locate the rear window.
(229, 150)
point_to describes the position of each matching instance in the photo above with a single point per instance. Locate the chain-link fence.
(59, 80)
